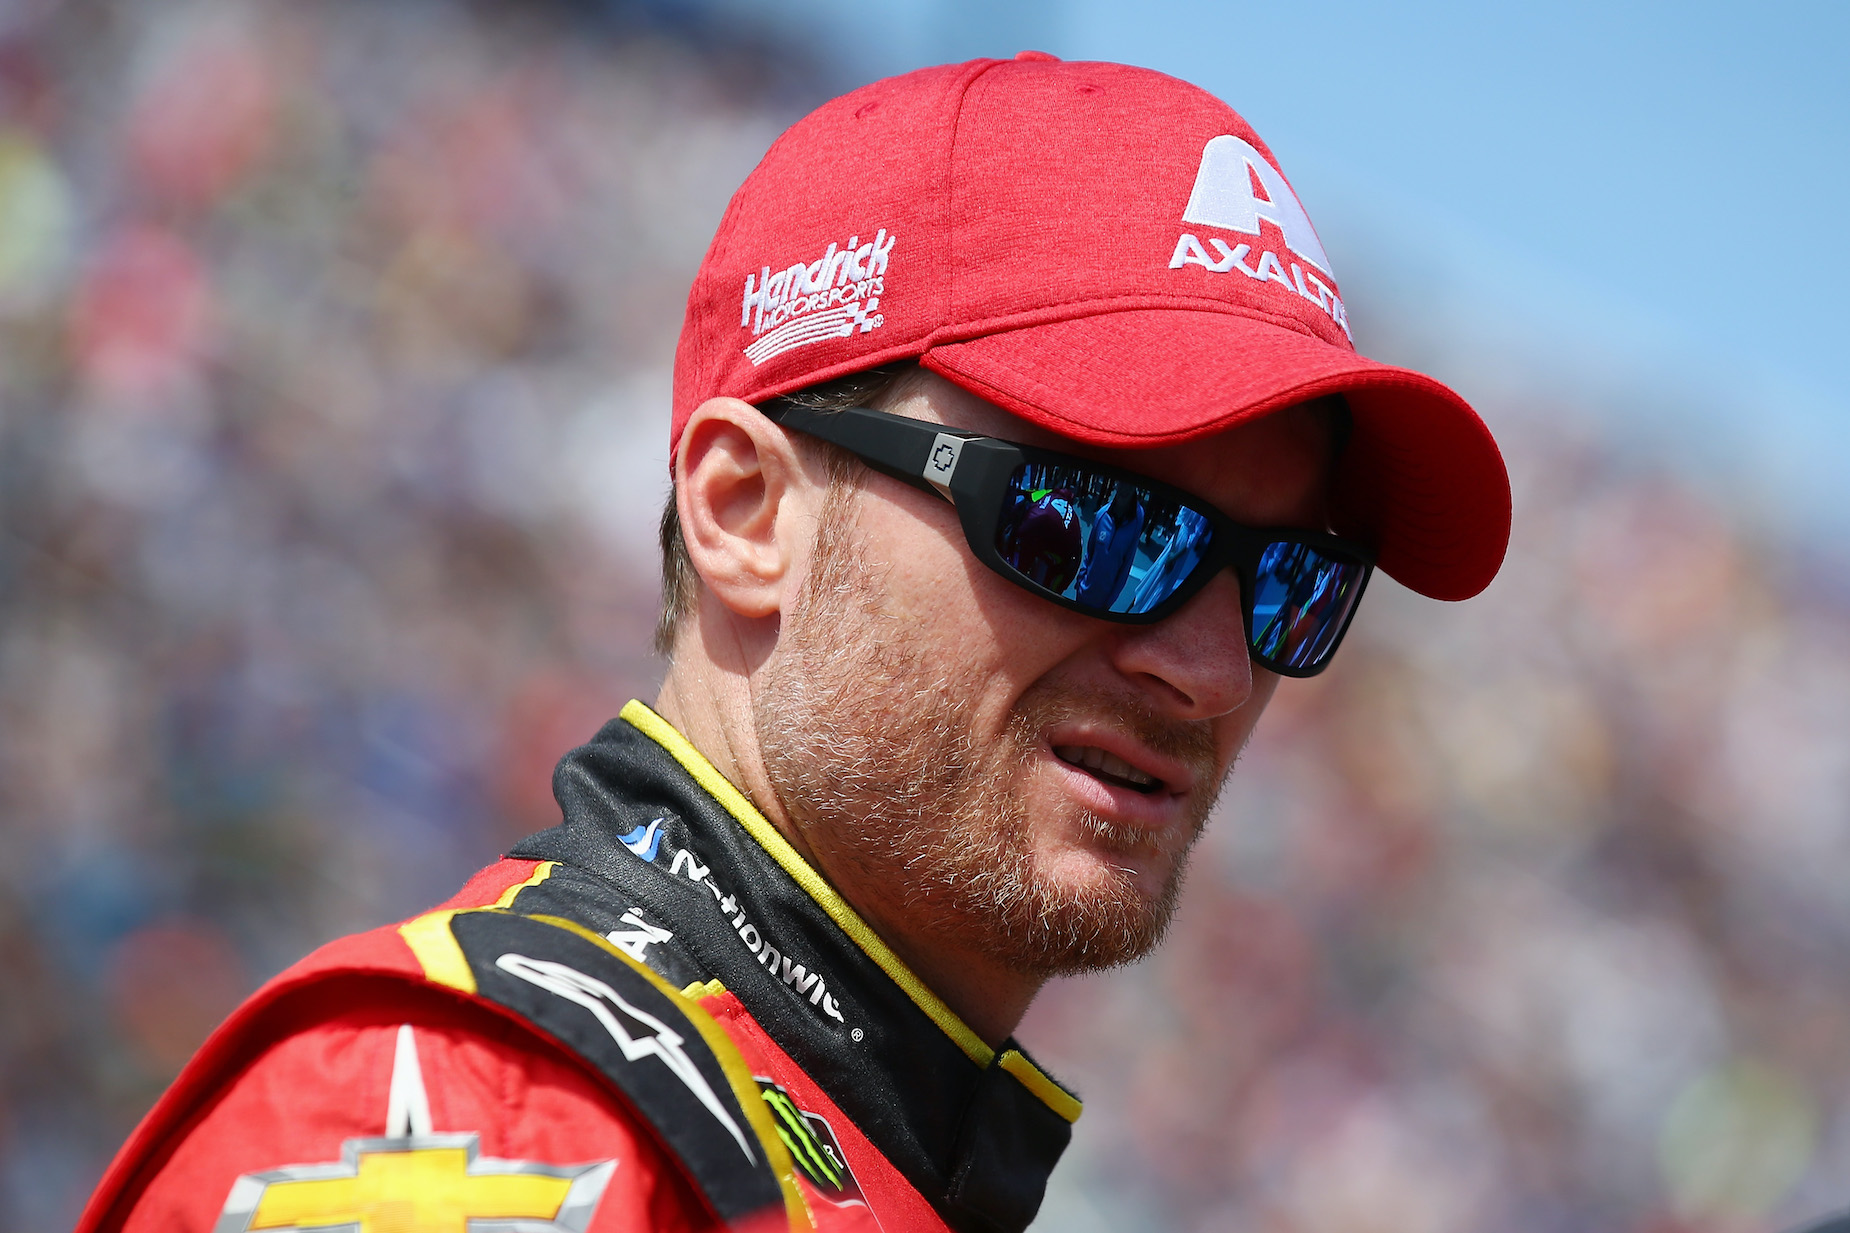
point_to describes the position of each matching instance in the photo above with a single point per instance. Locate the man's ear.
(737, 476)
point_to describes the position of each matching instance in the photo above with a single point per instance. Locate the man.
(767, 969)
(1044, 539)
(1112, 549)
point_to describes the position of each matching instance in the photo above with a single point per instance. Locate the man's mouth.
(1107, 767)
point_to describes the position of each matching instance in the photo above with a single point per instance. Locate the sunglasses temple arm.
(889, 444)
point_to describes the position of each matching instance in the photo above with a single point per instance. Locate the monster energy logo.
(813, 1147)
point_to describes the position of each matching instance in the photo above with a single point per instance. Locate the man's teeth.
(1095, 759)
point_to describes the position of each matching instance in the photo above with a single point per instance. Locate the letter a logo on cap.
(1224, 197)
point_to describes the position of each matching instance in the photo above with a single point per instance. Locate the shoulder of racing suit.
(666, 937)
(515, 993)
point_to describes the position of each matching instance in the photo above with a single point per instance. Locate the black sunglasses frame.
(973, 472)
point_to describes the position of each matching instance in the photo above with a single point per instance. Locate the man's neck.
(712, 708)
(991, 999)
(698, 706)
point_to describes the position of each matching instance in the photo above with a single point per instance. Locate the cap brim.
(1421, 480)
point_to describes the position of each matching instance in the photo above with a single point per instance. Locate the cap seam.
(1052, 314)
(704, 280)
(949, 255)
(1285, 397)
(715, 260)
(842, 368)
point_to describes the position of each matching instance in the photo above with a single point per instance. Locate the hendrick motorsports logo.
(810, 302)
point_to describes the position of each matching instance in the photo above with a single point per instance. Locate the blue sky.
(1650, 197)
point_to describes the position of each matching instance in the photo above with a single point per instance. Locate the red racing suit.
(654, 1016)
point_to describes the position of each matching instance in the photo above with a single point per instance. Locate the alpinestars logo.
(810, 302)
(653, 1039)
(1235, 187)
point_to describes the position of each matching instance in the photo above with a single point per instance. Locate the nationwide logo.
(798, 976)
(810, 302)
(644, 840)
(1236, 187)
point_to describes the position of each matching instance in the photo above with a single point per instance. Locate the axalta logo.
(798, 976)
(831, 297)
(1236, 187)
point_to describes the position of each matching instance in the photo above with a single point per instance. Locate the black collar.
(660, 853)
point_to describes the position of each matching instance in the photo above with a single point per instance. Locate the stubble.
(873, 750)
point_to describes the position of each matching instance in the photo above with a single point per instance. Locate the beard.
(870, 743)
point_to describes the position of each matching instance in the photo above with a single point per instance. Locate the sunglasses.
(1109, 543)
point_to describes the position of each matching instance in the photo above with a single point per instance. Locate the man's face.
(973, 764)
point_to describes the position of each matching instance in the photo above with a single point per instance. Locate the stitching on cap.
(948, 256)
(1129, 303)
(1202, 430)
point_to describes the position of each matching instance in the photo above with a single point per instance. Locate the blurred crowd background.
(334, 358)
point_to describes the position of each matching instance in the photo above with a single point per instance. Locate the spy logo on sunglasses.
(941, 464)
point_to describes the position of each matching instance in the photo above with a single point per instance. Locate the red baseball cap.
(1103, 250)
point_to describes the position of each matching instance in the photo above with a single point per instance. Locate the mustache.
(1190, 742)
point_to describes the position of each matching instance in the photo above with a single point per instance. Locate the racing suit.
(653, 1016)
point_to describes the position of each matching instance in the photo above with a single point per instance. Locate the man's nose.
(1193, 665)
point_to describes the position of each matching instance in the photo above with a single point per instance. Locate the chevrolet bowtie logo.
(424, 1183)
(414, 1181)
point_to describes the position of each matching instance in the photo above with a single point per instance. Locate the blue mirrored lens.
(1301, 601)
(1097, 540)
(1116, 546)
